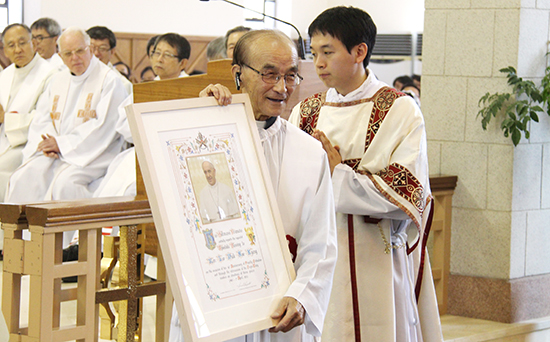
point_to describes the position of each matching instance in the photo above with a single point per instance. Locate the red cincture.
(292, 246)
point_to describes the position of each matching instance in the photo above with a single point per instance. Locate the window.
(11, 12)
(255, 20)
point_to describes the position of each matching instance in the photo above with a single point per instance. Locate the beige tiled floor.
(455, 329)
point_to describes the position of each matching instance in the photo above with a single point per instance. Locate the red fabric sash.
(353, 276)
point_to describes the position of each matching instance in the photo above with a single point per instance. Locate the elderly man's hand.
(220, 93)
(290, 314)
(49, 146)
(333, 152)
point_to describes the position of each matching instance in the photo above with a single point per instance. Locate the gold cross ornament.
(53, 114)
(87, 113)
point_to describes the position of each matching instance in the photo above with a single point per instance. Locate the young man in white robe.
(301, 181)
(45, 32)
(376, 143)
(21, 85)
(72, 139)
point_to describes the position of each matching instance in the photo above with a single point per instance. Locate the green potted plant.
(517, 108)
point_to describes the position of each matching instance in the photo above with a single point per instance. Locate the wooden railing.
(41, 259)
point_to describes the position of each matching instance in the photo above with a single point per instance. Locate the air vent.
(419, 44)
(393, 45)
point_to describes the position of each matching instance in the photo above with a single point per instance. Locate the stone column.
(500, 250)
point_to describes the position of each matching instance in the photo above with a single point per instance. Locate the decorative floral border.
(181, 148)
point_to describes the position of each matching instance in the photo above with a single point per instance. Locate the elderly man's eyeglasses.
(101, 48)
(14, 45)
(78, 52)
(158, 54)
(292, 79)
(39, 39)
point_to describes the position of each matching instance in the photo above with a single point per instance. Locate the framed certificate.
(215, 213)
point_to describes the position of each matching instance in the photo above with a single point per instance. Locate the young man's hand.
(333, 152)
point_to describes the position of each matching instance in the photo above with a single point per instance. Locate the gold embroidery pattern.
(383, 101)
(309, 112)
(54, 115)
(87, 113)
(404, 183)
(353, 163)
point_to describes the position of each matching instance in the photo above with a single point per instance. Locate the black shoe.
(70, 254)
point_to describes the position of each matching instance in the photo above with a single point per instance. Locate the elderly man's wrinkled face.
(43, 43)
(209, 172)
(75, 53)
(268, 55)
(164, 60)
(18, 46)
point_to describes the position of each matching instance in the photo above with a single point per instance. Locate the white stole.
(87, 101)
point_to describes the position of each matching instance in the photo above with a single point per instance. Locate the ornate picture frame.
(215, 212)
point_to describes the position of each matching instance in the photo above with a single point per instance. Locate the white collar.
(367, 89)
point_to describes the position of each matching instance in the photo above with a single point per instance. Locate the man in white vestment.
(265, 66)
(21, 85)
(103, 46)
(45, 32)
(170, 56)
(72, 139)
(376, 143)
(217, 200)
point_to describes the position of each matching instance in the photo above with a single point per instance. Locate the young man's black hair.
(100, 33)
(178, 42)
(352, 26)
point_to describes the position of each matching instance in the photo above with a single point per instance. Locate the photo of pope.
(216, 200)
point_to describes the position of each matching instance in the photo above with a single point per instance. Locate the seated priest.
(265, 66)
(170, 56)
(103, 45)
(21, 85)
(45, 32)
(72, 139)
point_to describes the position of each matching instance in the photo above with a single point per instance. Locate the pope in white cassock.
(383, 288)
(72, 139)
(266, 67)
(217, 200)
(21, 85)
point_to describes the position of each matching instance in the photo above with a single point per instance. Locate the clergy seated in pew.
(169, 57)
(45, 32)
(103, 46)
(72, 138)
(21, 85)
